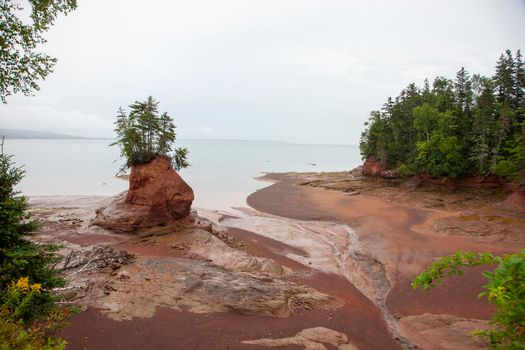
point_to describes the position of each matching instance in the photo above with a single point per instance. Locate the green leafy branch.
(505, 289)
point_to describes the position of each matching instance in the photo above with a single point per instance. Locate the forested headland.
(468, 126)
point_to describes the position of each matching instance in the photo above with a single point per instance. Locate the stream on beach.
(221, 174)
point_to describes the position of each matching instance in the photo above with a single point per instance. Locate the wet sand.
(359, 318)
(399, 238)
(169, 329)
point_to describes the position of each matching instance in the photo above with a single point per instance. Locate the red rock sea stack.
(157, 196)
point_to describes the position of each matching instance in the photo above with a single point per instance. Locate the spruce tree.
(504, 79)
(463, 104)
(144, 134)
(20, 257)
(443, 90)
(519, 77)
(463, 92)
(483, 123)
(469, 126)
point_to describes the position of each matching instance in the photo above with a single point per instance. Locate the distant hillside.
(30, 134)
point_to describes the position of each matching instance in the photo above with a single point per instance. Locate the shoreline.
(401, 237)
(301, 228)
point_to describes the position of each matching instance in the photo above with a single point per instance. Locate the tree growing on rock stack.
(157, 195)
(144, 134)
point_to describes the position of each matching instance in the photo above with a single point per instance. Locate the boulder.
(157, 196)
(372, 167)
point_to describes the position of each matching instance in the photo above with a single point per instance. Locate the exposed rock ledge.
(157, 196)
(376, 168)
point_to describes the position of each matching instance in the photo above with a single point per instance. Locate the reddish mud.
(359, 319)
(170, 329)
(401, 237)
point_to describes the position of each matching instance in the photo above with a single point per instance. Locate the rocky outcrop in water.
(157, 196)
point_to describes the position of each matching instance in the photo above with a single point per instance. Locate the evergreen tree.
(143, 134)
(520, 90)
(463, 95)
(469, 126)
(374, 137)
(20, 257)
(504, 79)
(501, 132)
(427, 93)
(519, 78)
(463, 92)
(443, 90)
(483, 125)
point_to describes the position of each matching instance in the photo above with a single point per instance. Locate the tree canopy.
(472, 125)
(21, 65)
(144, 134)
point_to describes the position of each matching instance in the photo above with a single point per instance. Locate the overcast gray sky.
(291, 70)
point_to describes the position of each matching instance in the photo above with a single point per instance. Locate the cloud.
(295, 70)
(49, 118)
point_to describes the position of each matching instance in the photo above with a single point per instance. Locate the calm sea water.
(221, 173)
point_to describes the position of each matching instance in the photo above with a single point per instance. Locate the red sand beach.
(396, 241)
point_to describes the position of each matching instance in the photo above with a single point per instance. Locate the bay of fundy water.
(221, 174)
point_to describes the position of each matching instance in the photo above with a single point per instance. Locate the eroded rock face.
(372, 167)
(158, 186)
(516, 201)
(157, 196)
(198, 286)
(486, 182)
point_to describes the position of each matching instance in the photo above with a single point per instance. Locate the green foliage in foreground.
(14, 335)
(505, 289)
(144, 134)
(20, 257)
(471, 125)
(20, 303)
(27, 309)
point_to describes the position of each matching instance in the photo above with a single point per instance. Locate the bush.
(505, 168)
(14, 335)
(20, 306)
(441, 157)
(506, 290)
(21, 300)
(405, 170)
